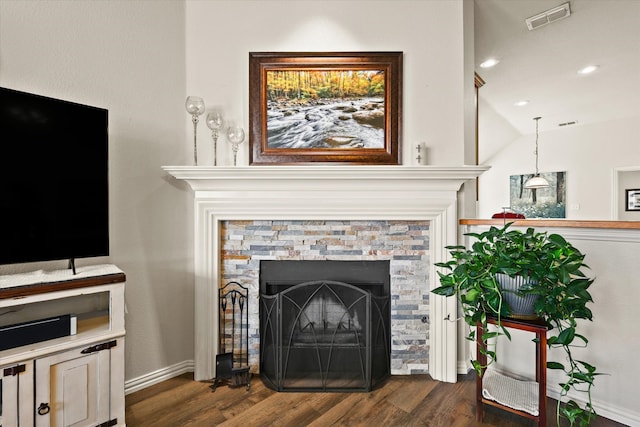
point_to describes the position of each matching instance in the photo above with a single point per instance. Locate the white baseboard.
(463, 368)
(606, 410)
(155, 377)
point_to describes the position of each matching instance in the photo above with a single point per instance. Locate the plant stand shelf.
(538, 327)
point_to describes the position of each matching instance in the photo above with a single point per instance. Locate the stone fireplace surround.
(317, 192)
(404, 244)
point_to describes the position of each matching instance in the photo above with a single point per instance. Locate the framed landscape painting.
(549, 202)
(325, 107)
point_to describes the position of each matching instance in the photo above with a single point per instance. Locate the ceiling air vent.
(549, 16)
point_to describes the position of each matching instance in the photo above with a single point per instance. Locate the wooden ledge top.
(566, 223)
(40, 281)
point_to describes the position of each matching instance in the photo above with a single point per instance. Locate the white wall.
(587, 153)
(430, 33)
(127, 57)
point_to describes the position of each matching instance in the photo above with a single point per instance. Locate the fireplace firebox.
(324, 325)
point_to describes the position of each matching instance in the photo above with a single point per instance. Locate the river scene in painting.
(319, 109)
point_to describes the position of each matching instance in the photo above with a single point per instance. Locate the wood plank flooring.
(401, 401)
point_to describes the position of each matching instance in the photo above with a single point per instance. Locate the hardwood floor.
(401, 401)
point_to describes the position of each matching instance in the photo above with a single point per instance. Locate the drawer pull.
(99, 347)
(43, 409)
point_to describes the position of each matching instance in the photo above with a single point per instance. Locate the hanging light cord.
(536, 181)
(536, 152)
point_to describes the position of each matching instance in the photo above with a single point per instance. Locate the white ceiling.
(541, 65)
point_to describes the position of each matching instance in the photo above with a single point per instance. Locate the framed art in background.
(549, 202)
(342, 107)
(633, 199)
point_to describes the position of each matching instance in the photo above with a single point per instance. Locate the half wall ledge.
(565, 223)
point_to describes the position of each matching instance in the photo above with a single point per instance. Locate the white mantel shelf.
(255, 177)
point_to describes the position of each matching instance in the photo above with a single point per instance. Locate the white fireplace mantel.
(323, 193)
(301, 177)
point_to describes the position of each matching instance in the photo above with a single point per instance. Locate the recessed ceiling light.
(489, 63)
(521, 103)
(588, 69)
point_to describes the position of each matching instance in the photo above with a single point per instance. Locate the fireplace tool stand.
(233, 367)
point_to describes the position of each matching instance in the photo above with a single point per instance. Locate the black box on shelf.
(34, 331)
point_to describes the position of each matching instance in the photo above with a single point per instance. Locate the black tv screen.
(54, 194)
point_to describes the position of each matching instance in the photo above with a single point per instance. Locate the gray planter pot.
(522, 306)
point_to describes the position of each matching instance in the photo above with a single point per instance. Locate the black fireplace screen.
(325, 335)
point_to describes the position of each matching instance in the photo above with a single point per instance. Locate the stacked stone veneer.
(404, 243)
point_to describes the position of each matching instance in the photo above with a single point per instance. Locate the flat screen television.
(54, 192)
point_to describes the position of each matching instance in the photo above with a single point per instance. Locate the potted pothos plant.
(551, 270)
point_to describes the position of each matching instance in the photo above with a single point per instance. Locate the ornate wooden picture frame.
(325, 107)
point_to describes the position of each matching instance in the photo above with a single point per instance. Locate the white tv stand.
(74, 380)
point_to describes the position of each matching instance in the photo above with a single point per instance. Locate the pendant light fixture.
(537, 181)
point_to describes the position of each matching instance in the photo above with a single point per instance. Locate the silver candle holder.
(235, 135)
(195, 106)
(215, 122)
